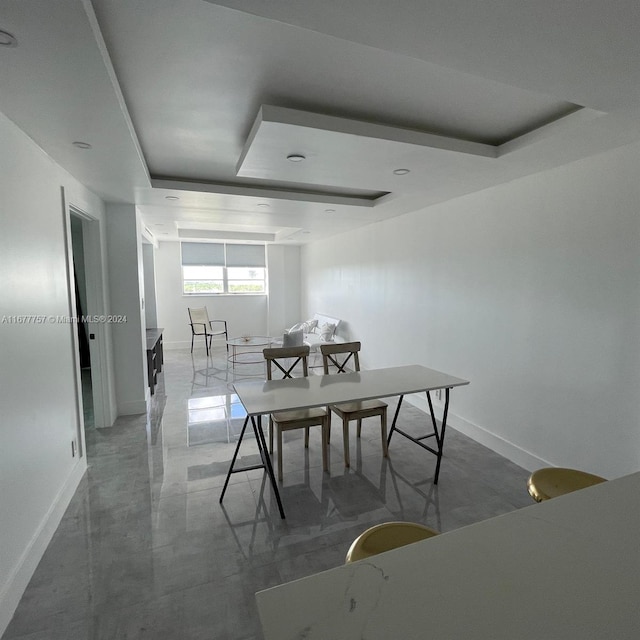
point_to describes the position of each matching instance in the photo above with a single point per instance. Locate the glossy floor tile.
(146, 550)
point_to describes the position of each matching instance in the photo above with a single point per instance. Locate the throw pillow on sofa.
(310, 325)
(326, 332)
(293, 338)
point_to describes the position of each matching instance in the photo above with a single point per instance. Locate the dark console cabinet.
(154, 356)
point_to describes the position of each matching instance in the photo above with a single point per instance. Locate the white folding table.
(264, 397)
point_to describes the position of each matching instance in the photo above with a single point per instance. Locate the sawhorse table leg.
(438, 435)
(264, 456)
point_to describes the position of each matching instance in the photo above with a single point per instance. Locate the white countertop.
(568, 568)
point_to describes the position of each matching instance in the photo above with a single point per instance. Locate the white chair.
(202, 326)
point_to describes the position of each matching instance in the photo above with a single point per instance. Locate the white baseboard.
(496, 443)
(13, 588)
(198, 346)
(182, 344)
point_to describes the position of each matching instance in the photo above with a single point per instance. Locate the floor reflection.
(146, 550)
(215, 418)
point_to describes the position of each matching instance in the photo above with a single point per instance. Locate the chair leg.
(192, 343)
(306, 438)
(270, 435)
(359, 427)
(383, 429)
(329, 412)
(345, 441)
(325, 446)
(279, 428)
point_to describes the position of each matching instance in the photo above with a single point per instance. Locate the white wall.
(126, 280)
(38, 474)
(284, 288)
(529, 290)
(255, 315)
(148, 261)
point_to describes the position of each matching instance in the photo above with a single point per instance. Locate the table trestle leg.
(437, 434)
(264, 456)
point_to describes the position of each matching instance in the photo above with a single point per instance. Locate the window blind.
(199, 254)
(246, 255)
(212, 254)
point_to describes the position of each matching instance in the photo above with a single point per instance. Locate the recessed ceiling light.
(402, 172)
(263, 205)
(329, 210)
(78, 144)
(7, 39)
(295, 157)
(171, 198)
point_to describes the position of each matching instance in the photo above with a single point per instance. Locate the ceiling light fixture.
(7, 39)
(263, 205)
(402, 172)
(171, 198)
(78, 144)
(329, 210)
(295, 157)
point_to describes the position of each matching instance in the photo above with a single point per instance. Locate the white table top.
(261, 397)
(565, 569)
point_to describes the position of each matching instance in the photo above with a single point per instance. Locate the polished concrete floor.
(145, 550)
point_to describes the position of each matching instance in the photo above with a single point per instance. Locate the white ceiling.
(204, 101)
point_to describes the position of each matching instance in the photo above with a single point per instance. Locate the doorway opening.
(80, 288)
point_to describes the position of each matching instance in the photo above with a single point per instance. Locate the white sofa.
(315, 338)
(319, 329)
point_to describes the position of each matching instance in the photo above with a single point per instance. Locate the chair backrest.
(339, 355)
(286, 359)
(199, 320)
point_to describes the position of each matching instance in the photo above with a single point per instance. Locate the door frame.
(101, 382)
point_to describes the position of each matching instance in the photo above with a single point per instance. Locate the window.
(202, 279)
(210, 268)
